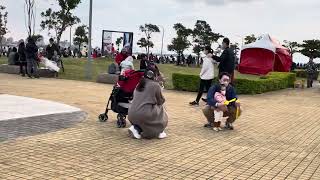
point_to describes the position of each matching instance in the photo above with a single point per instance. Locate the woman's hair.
(14, 49)
(209, 49)
(149, 74)
(141, 85)
(224, 74)
(21, 45)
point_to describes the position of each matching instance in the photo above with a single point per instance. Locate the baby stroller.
(121, 96)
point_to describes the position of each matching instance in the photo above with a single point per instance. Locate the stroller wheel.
(121, 121)
(103, 117)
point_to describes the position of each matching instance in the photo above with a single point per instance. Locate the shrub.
(271, 82)
(303, 74)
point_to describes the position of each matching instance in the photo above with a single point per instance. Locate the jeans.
(310, 80)
(204, 85)
(32, 67)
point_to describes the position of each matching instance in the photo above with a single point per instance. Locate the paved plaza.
(277, 137)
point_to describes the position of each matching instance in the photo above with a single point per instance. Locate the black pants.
(23, 68)
(310, 80)
(204, 85)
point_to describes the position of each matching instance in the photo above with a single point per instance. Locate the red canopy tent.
(263, 56)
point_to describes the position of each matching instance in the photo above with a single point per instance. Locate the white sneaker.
(216, 129)
(162, 135)
(134, 133)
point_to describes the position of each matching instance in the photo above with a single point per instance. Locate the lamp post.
(88, 69)
(162, 39)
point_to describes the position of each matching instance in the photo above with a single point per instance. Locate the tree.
(181, 42)
(37, 37)
(292, 46)
(250, 39)
(236, 49)
(118, 42)
(144, 43)
(148, 29)
(3, 23)
(203, 36)
(30, 14)
(60, 20)
(310, 48)
(81, 35)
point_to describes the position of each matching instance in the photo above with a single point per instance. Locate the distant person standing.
(227, 59)
(31, 55)
(13, 58)
(311, 70)
(121, 56)
(206, 75)
(22, 59)
(143, 62)
(51, 48)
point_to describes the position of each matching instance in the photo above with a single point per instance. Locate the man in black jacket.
(51, 48)
(227, 59)
(31, 55)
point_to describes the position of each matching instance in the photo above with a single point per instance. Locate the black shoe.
(194, 103)
(229, 126)
(209, 125)
(30, 76)
(204, 100)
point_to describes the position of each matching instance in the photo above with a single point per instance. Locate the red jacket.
(120, 57)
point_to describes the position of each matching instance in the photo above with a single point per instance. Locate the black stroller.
(121, 96)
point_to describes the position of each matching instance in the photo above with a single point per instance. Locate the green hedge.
(271, 82)
(303, 74)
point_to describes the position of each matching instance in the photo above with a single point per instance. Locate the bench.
(12, 69)
(106, 78)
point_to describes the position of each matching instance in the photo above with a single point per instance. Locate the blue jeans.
(32, 67)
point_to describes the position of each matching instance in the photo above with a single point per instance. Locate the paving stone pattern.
(14, 128)
(277, 137)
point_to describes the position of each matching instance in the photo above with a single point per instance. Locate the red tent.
(263, 56)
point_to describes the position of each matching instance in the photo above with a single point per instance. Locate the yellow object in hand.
(228, 102)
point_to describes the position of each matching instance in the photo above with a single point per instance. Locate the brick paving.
(277, 137)
(13, 128)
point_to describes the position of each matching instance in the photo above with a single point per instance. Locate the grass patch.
(75, 69)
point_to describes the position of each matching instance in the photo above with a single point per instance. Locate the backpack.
(112, 69)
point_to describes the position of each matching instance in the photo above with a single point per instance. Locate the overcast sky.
(293, 20)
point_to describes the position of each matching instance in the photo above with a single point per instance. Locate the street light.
(162, 39)
(88, 69)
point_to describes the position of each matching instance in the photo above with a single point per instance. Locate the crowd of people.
(28, 56)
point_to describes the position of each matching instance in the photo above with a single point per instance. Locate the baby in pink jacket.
(220, 97)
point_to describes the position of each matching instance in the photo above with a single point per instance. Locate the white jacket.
(127, 64)
(207, 70)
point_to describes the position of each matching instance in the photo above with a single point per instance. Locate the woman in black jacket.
(31, 55)
(22, 59)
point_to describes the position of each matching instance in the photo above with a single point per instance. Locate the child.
(127, 64)
(220, 97)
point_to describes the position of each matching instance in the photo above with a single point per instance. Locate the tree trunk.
(0, 46)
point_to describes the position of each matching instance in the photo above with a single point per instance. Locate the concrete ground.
(277, 137)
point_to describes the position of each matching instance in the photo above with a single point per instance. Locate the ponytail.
(141, 85)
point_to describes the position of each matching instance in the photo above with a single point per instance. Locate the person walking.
(31, 56)
(227, 59)
(206, 75)
(311, 70)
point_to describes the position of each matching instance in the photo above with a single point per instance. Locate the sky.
(292, 20)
